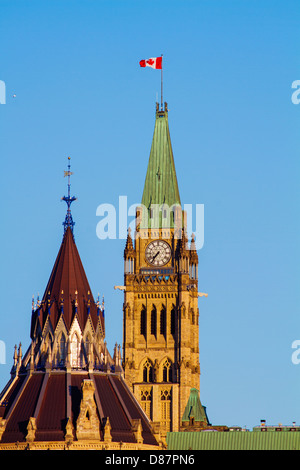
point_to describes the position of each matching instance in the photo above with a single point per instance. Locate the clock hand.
(155, 256)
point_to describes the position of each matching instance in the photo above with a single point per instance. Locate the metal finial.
(68, 222)
(102, 309)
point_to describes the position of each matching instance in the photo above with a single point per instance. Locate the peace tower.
(160, 311)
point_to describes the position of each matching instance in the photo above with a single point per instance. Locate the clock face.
(158, 253)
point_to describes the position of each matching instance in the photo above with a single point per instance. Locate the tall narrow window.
(48, 347)
(173, 321)
(62, 350)
(153, 320)
(165, 413)
(75, 351)
(193, 271)
(143, 321)
(88, 348)
(163, 321)
(147, 371)
(167, 371)
(131, 269)
(146, 402)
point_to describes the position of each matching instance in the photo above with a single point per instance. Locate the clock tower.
(160, 322)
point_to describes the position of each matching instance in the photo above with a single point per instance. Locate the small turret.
(129, 255)
(183, 254)
(193, 259)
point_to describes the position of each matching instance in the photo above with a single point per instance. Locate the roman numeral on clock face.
(158, 253)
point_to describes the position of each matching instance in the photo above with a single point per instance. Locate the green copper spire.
(194, 409)
(161, 187)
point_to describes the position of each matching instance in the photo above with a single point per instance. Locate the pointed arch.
(167, 369)
(61, 353)
(148, 371)
(46, 349)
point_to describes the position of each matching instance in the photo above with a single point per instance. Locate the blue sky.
(228, 71)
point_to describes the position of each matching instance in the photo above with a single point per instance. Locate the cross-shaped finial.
(68, 222)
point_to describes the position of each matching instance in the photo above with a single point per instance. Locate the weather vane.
(68, 222)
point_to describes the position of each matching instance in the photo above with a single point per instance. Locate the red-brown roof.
(45, 396)
(68, 292)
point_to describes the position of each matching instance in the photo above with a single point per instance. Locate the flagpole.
(161, 84)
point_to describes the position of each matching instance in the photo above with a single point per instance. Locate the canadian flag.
(153, 62)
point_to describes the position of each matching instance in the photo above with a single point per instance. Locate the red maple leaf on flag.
(153, 62)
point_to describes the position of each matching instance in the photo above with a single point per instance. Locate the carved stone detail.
(87, 425)
(107, 433)
(69, 436)
(2, 426)
(136, 426)
(31, 429)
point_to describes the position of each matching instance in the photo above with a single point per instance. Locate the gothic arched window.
(46, 350)
(147, 371)
(167, 371)
(146, 402)
(61, 350)
(166, 409)
(87, 345)
(75, 351)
